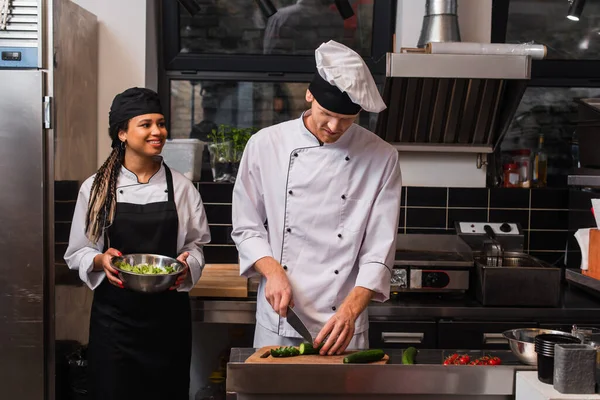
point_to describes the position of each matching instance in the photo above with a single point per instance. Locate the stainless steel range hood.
(451, 103)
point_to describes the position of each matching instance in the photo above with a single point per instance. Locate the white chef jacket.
(193, 227)
(332, 218)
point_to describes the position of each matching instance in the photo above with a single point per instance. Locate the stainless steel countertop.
(426, 378)
(575, 305)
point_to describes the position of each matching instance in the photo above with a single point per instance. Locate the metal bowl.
(522, 342)
(148, 283)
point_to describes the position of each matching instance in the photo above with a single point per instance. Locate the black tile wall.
(216, 192)
(509, 198)
(468, 197)
(555, 219)
(66, 190)
(220, 234)
(220, 254)
(63, 210)
(402, 220)
(581, 200)
(424, 210)
(431, 231)
(426, 218)
(547, 240)
(466, 215)
(218, 214)
(426, 196)
(61, 232)
(550, 198)
(581, 219)
(519, 216)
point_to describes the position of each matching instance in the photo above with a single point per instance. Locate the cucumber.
(409, 355)
(365, 356)
(285, 352)
(307, 348)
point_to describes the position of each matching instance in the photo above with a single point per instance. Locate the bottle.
(540, 165)
(511, 175)
(522, 158)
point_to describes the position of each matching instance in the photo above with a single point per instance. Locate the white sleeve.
(81, 251)
(196, 233)
(248, 213)
(376, 256)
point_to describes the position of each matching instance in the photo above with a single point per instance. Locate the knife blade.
(298, 325)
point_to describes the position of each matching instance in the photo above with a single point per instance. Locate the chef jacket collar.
(340, 143)
(132, 177)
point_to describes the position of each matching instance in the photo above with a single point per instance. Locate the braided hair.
(103, 195)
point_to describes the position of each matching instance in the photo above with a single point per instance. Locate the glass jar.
(523, 160)
(511, 175)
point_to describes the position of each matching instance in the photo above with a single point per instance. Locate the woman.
(140, 344)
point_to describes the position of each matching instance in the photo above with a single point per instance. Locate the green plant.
(238, 137)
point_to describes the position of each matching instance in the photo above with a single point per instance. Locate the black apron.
(140, 343)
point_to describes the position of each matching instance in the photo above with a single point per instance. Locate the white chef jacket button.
(343, 197)
(120, 191)
(295, 154)
(166, 191)
(336, 272)
(288, 230)
(290, 192)
(333, 308)
(285, 267)
(347, 158)
(339, 235)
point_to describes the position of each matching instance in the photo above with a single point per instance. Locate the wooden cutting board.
(312, 359)
(221, 280)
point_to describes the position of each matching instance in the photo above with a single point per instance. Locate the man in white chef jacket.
(315, 211)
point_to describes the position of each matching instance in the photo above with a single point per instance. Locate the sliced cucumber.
(365, 356)
(289, 351)
(409, 355)
(307, 348)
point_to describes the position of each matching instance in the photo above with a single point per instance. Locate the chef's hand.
(184, 273)
(102, 262)
(340, 329)
(278, 290)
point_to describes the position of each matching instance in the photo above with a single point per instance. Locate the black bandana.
(331, 98)
(132, 103)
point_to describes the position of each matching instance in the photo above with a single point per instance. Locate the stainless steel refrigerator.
(48, 107)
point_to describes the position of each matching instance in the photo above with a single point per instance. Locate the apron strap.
(169, 176)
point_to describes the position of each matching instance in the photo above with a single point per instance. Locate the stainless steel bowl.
(522, 342)
(148, 283)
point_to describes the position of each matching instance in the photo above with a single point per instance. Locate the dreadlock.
(103, 195)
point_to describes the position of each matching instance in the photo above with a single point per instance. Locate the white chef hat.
(343, 83)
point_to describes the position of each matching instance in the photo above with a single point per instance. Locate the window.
(551, 111)
(298, 27)
(573, 57)
(234, 35)
(198, 106)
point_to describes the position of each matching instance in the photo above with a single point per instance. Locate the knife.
(298, 325)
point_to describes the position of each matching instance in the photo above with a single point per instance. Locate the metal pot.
(522, 342)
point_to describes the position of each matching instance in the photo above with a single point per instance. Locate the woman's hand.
(102, 262)
(184, 273)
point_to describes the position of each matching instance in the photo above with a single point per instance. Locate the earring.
(123, 144)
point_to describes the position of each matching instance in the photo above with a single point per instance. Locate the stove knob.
(431, 280)
(505, 228)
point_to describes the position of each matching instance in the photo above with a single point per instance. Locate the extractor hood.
(451, 103)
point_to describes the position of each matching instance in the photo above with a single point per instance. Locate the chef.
(315, 211)
(140, 343)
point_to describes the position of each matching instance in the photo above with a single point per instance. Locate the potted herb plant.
(226, 147)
